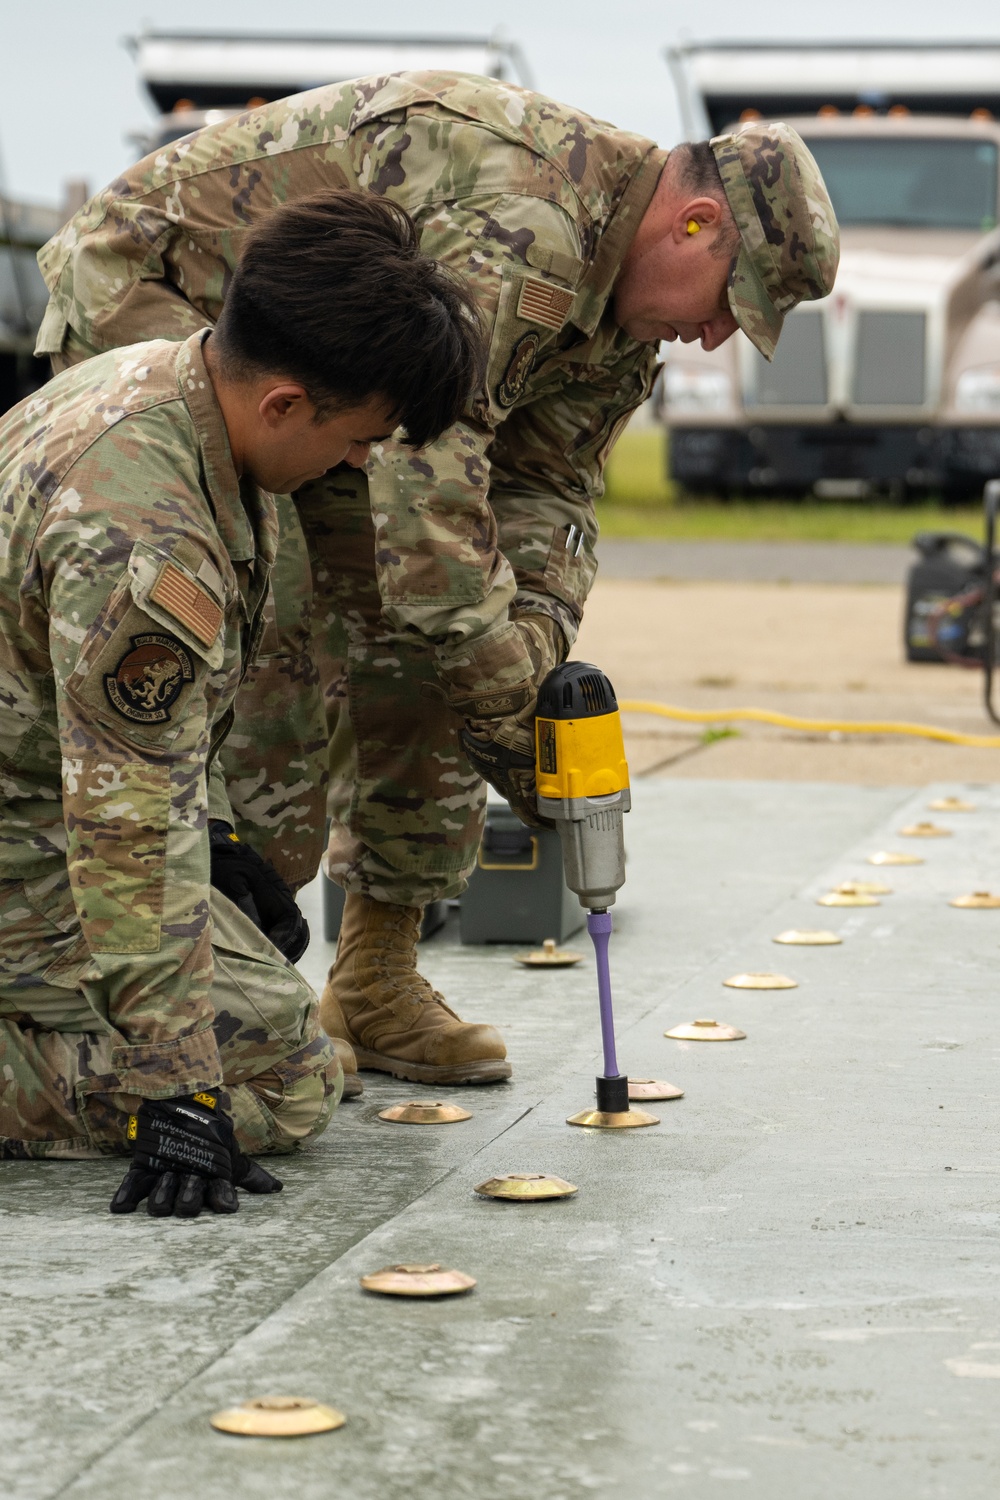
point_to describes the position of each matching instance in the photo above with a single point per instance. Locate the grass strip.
(640, 501)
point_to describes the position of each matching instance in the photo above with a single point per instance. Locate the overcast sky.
(69, 96)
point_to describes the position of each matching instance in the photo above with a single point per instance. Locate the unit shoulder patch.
(149, 677)
(544, 302)
(181, 597)
(515, 377)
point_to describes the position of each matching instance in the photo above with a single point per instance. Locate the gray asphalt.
(754, 562)
(787, 1289)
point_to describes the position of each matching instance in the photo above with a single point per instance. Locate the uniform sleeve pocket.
(144, 659)
(570, 568)
(184, 592)
(556, 560)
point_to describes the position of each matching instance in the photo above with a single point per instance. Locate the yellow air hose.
(809, 726)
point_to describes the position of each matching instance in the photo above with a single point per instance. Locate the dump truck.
(199, 78)
(892, 384)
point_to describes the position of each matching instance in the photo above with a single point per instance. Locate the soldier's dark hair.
(699, 173)
(334, 293)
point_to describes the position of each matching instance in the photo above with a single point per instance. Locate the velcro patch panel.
(543, 302)
(182, 598)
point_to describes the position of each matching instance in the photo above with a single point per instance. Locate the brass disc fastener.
(548, 956)
(606, 1119)
(761, 982)
(419, 1112)
(706, 1031)
(653, 1089)
(432, 1280)
(278, 1416)
(526, 1187)
(977, 901)
(804, 938)
(848, 898)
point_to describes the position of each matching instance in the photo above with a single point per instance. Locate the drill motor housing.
(581, 778)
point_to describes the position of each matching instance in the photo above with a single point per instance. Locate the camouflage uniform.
(133, 571)
(416, 564)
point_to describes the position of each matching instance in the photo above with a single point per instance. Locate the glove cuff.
(221, 835)
(488, 677)
(546, 644)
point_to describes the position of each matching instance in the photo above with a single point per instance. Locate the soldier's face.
(290, 446)
(673, 285)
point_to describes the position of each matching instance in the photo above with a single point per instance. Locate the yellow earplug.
(693, 226)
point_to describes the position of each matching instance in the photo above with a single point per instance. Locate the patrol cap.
(790, 242)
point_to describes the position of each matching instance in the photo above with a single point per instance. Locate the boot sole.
(491, 1070)
(353, 1087)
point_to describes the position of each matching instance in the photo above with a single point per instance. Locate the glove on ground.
(185, 1158)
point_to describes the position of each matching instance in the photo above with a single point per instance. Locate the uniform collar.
(592, 297)
(245, 515)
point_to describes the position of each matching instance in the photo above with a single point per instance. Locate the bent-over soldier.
(459, 572)
(138, 1005)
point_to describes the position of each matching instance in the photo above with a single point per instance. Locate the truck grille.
(890, 359)
(797, 374)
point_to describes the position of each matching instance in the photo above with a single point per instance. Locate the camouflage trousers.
(406, 808)
(59, 1094)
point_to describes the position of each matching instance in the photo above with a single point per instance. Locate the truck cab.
(891, 384)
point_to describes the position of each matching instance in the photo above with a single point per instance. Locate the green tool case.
(517, 892)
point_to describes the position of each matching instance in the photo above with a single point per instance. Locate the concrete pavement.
(811, 650)
(753, 562)
(788, 1288)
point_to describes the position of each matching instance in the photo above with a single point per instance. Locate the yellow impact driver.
(582, 784)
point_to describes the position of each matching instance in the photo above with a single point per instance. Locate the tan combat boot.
(353, 1087)
(376, 999)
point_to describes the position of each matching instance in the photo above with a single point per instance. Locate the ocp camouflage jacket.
(535, 204)
(133, 571)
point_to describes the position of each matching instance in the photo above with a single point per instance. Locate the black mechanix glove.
(185, 1158)
(503, 752)
(258, 890)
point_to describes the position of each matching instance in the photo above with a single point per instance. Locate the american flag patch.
(176, 593)
(542, 302)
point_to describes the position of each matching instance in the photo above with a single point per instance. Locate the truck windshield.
(920, 184)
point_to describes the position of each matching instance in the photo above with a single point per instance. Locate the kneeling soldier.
(140, 1008)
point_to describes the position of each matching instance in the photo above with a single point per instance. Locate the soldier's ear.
(286, 401)
(694, 216)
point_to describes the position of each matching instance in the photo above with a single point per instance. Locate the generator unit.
(952, 612)
(944, 619)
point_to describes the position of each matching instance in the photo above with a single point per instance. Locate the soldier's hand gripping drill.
(185, 1158)
(503, 750)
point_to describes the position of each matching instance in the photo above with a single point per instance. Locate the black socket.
(612, 1095)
